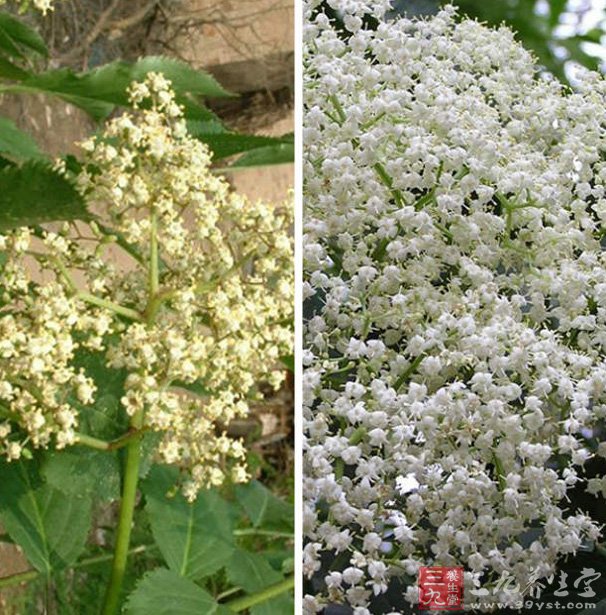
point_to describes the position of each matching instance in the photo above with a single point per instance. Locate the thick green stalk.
(241, 604)
(133, 454)
(125, 522)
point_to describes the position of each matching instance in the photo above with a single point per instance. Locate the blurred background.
(562, 33)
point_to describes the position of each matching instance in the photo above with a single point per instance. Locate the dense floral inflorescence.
(204, 304)
(455, 279)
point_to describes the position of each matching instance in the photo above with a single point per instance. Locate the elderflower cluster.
(455, 289)
(204, 304)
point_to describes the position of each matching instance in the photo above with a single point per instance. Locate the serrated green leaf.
(164, 592)
(280, 605)
(79, 471)
(100, 90)
(15, 37)
(105, 418)
(210, 127)
(8, 70)
(196, 387)
(195, 539)
(251, 571)
(228, 144)
(15, 143)
(282, 153)
(183, 77)
(50, 526)
(263, 508)
(149, 446)
(34, 193)
(289, 362)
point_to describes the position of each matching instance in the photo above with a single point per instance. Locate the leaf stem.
(241, 604)
(253, 531)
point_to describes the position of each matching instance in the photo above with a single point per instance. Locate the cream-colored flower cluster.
(39, 326)
(206, 304)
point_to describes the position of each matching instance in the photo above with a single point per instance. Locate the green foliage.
(9, 70)
(50, 526)
(15, 143)
(263, 508)
(104, 418)
(195, 539)
(34, 193)
(164, 592)
(253, 572)
(17, 39)
(100, 90)
(280, 153)
(82, 471)
(225, 144)
(289, 363)
(280, 605)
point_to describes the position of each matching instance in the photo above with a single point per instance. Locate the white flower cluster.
(455, 276)
(206, 303)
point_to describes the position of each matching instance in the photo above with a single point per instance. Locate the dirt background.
(247, 45)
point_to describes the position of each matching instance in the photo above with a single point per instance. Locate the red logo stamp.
(440, 588)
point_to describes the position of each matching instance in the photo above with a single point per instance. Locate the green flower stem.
(109, 305)
(500, 472)
(154, 270)
(408, 372)
(241, 604)
(380, 170)
(31, 575)
(84, 440)
(103, 445)
(125, 522)
(388, 182)
(121, 241)
(65, 274)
